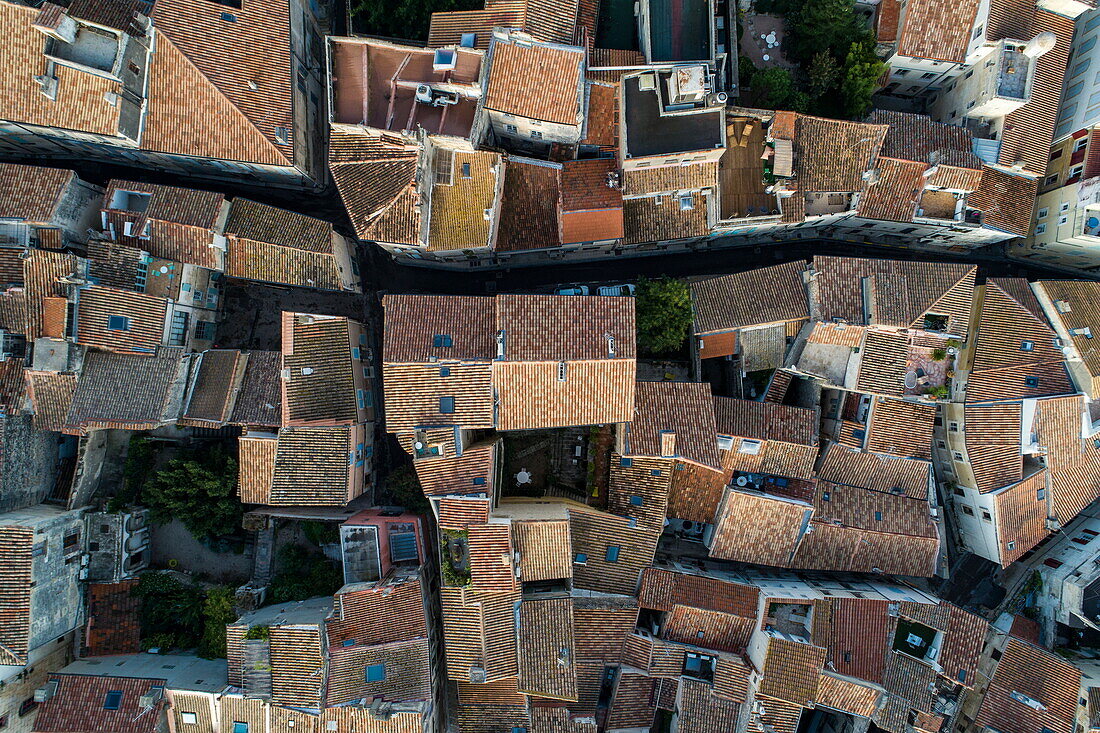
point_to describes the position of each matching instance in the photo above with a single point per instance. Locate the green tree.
(822, 75)
(746, 69)
(663, 316)
(402, 488)
(862, 70)
(199, 489)
(171, 613)
(217, 611)
(773, 88)
(139, 462)
(303, 574)
(403, 18)
(814, 26)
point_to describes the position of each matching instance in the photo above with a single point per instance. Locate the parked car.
(626, 289)
(572, 290)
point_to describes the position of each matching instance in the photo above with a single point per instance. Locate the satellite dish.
(742, 481)
(419, 445)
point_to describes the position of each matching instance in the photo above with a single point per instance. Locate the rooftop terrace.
(653, 130)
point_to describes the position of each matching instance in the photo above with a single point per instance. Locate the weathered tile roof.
(411, 321)
(78, 705)
(1029, 130)
(1037, 674)
(180, 222)
(16, 564)
(1005, 200)
(792, 671)
(32, 193)
(545, 550)
(1073, 459)
(593, 338)
(592, 533)
(992, 437)
(1081, 311)
(546, 637)
(709, 629)
(674, 419)
(529, 206)
(51, 396)
(375, 174)
(639, 489)
(765, 421)
(934, 31)
(555, 22)
(1011, 319)
(662, 589)
(256, 468)
(213, 390)
(750, 298)
(297, 663)
(124, 391)
(558, 99)
(660, 218)
(702, 710)
(312, 466)
(259, 401)
(489, 546)
(833, 155)
(900, 292)
(600, 58)
(670, 178)
(452, 474)
(918, 138)
(633, 704)
(696, 491)
(145, 314)
(113, 626)
(249, 259)
(601, 625)
(378, 613)
(408, 674)
(479, 632)
(591, 210)
(42, 274)
(893, 194)
(456, 210)
(319, 383)
(847, 696)
(196, 73)
(413, 393)
(857, 636)
(770, 539)
(901, 428)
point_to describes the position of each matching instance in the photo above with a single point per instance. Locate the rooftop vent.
(46, 691)
(444, 59)
(469, 40)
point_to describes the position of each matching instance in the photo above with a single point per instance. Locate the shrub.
(403, 489)
(303, 574)
(258, 632)
(171, 612)
(217, 611)
(939, 354)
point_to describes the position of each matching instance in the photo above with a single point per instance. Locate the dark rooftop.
(679, 30)
(648, 132)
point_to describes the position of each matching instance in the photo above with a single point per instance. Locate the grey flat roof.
(182, 671)
(648, 132)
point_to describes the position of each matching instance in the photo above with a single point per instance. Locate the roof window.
(612, 554)
(376, 672)
(446, 405)
(1027, 346)
(112, 700)
(118, 323)
(441, 340)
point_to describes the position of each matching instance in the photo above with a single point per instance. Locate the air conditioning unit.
(46, 691)
(152, 697)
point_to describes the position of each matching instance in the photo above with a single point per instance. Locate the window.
(1081, 144)
(465, 170)
(447, 405)
(205, 330)
(958, 492)
(654, 472)
(968, 511)
(635, 500)
(444, 371)
(1040, 494)
(1027, 346)
(441, 340)
(725, 442)
(177, 332)
(958, 456)
(510, 128)
(878, 516)
(1062, 219)
(363, 399)
(443, 166)
(1072, 92)
(71, 542)
(479, 481)
(927, 75)
(1041, 229)
(626, 462)
(1075, 172)
(189, 718)
(112, 700)
(825, 496)
(1011, 544)
(750, 447)
(986, 516)
(349, 642)
(953, 427)
(687, 203)
(536, 135)
(1031, 381)
(1043, 212)
(239, 727)
(376, 672)
(901, 72)
(39, 549)
(1051, 180)
(580, 559)
(27, 706)
(118, 323)
(561, 371)
(612, 554)
(282, 135)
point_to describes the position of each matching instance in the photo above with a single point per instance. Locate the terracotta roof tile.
(408, 674)
(792, 671)
(512, 66)
(312, 466)
(256, 468)
(894, 194)
(765, 421)
(654, 219)
(670, 178)
(662, 589)
(674, 419)
(593, 533)
(113, 626)
(901, 428)
(701, 710)
(603, 111)
(79, 706)
(124, 391)
(15, 592)
(51, 396)
(529, 206)
(145, 315)
(317, 354)
(1005, 201)
(1039, 675)
(544, 550)
(750, 298)
(457, 217)
(918, 138)
(258, 402)
(935, 31)
(770, 539)
(32, 193)
(847, 696)
(833, 155)
(546, 637)
(412, 320)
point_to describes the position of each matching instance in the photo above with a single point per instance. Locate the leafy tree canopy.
(199, 489)
(303, 574)
(403, 18)
(663, 316)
